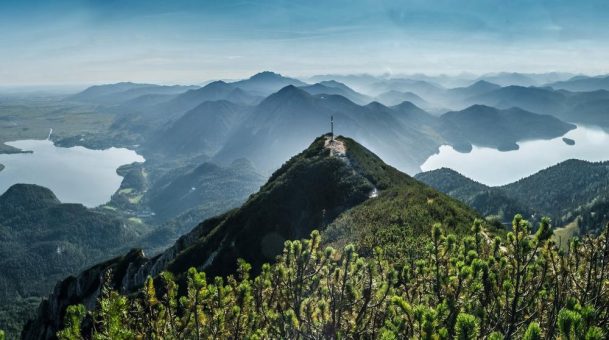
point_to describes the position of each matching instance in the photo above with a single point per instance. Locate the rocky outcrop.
(127, 274)
(82, 289)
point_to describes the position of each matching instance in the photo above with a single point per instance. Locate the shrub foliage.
(478, 286)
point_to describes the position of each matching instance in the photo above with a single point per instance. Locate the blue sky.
(97, 41)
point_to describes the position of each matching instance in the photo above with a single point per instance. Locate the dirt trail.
(337, 148)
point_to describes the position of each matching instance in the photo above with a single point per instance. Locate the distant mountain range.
(202, 130)
(582, 84)
(578, 107)
(285, 121)
(268, 117)
(114, 94)
(500, 129)
(282, 123)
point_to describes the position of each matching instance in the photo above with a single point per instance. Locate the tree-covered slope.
(567, 186)
(451, 182)
(566, 191)
(174, 196)
(43, 240)
(336, 186)
(490, 202)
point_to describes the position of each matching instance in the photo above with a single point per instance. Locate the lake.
(75, 175)
(493, 167)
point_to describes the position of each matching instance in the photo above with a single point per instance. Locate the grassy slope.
(401, 217)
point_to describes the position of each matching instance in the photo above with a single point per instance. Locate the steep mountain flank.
(203, 129)
(208, 183)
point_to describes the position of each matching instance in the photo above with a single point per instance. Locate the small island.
(568, 141)
(1, 167)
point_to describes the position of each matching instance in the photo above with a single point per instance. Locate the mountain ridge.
(314, 189)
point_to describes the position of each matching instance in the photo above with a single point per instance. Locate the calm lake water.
(492, 167)
(75, 175)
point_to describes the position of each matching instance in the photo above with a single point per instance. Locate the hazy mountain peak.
(480, 108)
(291, 90)
(335, 88)
(217, 84)
(376, 106)
(265, 83)
(407, 105)
(266, 75)
(290, 95)
(483, 84)
(334, 83)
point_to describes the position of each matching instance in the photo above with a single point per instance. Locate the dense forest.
(478, 286)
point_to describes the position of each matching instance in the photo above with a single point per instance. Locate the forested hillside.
(571, 190)
(490, 202)
(43, 240)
